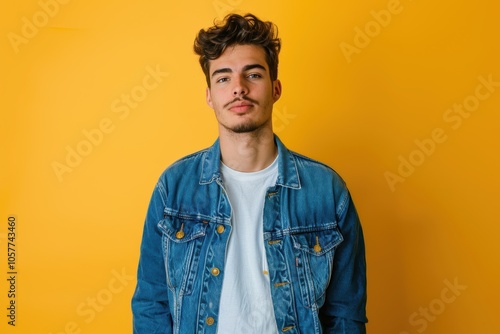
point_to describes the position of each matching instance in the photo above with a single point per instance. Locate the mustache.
(244, 98)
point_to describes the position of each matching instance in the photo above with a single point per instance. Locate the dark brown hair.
(238, 30)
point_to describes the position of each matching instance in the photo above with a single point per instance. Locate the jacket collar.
(288, 175)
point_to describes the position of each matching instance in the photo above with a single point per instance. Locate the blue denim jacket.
(313, 241)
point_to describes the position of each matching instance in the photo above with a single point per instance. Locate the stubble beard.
(253, 127)
(244, 128)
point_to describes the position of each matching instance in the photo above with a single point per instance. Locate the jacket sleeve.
(344, 310)
(151, 314)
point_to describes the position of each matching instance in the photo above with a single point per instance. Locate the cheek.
(217, 96)
(215, 99)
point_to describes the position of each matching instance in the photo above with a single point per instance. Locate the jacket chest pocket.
(314, 248)
(182, 242)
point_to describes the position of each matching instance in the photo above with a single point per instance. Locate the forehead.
(236, 57)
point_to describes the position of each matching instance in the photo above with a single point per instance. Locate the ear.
(276, 90)
(208, 98)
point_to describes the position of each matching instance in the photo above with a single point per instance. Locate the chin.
(245, 128)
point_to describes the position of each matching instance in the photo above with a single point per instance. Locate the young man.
(247, 236)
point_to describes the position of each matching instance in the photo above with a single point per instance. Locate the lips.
(240, 107)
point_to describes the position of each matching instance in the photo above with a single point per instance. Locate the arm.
(151, 314)
(344, 310)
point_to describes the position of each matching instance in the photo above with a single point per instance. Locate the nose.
(239, 88)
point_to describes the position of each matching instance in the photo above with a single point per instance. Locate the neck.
(248, 152)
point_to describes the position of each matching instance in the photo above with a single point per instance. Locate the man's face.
(242, 93)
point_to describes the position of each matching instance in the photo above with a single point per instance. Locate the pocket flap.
(182, 230)
(317, 240)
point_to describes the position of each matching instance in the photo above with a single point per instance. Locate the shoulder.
(322, 181)
(185, 166)
(188, 160)
(317, 169)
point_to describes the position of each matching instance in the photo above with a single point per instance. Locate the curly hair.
(235, 29)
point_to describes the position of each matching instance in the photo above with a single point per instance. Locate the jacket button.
(317, 247)
(220, 229)
(215, 271)
(179, 234)
(210, 321)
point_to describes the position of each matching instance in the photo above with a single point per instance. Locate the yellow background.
(361, 113)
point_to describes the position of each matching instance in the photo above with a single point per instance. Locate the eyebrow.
(245, 68)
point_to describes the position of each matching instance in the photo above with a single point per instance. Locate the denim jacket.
(312, 237)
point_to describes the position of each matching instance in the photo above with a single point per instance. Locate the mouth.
(241, 107)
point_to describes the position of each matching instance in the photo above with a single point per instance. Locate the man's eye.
(222, 79)
(254, 76)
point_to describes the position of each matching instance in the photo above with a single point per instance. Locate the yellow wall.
(393, 94)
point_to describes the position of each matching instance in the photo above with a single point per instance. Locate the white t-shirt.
(246, 305)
